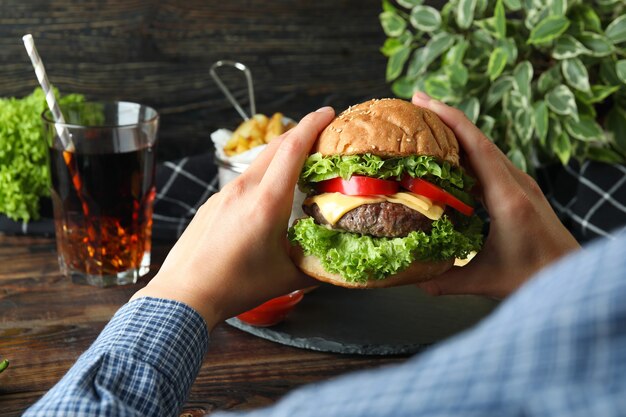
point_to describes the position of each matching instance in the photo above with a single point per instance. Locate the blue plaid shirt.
(555, 348)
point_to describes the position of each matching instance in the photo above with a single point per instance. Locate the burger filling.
(372, 217)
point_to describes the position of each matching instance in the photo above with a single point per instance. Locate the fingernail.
(324, 109)
(421, 96)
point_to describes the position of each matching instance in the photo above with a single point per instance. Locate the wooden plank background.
(303, 54)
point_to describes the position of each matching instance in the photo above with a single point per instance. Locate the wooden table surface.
(46, 322)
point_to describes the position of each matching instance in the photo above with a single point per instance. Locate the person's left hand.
(234, 254)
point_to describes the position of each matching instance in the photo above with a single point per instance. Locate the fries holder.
(230, 168)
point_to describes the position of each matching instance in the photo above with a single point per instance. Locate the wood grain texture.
(46, 323)
(303, 54)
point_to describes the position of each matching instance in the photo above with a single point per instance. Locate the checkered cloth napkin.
(590, 198)
(182, 187)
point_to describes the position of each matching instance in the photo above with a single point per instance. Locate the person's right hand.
(524, 235)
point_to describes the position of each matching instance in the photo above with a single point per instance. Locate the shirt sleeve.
(555, 348)
(142, 364)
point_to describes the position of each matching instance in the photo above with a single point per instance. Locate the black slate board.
(390, 321)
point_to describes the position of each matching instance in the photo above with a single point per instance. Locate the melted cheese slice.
(334, 205)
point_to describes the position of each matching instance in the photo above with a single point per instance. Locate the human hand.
(234, 254)
(524, 235)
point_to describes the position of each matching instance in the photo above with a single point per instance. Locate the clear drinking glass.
(103, 188)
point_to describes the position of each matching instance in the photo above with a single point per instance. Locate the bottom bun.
(418, 271)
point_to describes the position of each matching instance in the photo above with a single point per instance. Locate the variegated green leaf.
(486, 124)
(534, 15)
(403, 87)
(589, 18)
(616, 30)
(499, 16)
(425, 56)
(391, 46)
(417, 64)
(471, 108)
(616, 124)
(549, 79)
(388, 7)
(457, 73)
(396, 62)
(513, 5)
(481, 7)
(598, 45)
(409, 4)
(541, 120)
(562, 147)
(523, 75)
(465, 13)
(438, 44)
(488, 25)
(497, 90)
(392, 24)
(606, 155)
(584, 108)
(456, 53)
(497, 62)
(567, 47)
(607, 72)
(438, 87)
(558, 7)
(482, 38)
(513, 103)
(548, 29)
(585, 129)
(425, 18)
(561, 101)
(554, 126)
(524, 124)
(620, 70)
(598, 93)
(510, 47)
(576, 74)
(517, 157)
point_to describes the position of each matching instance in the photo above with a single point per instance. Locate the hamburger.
(388, 202)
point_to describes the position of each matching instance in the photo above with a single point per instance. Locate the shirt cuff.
(168, 335)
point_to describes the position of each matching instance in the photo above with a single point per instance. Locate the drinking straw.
(57, 115)
(40, 71)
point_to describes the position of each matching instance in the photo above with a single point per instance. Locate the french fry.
(275, 127)
(256, 131)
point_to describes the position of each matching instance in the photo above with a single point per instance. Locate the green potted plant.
(545, 80)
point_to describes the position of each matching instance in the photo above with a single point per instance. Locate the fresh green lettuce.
(360, 257)
(319, 168)
(24, 176)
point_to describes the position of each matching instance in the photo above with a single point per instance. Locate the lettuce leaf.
(360, 257)
(24, 176)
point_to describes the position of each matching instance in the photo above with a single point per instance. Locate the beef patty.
(377, 219)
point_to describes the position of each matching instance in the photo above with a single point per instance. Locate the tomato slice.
(273, 311)
(358, 185)
(430, 190)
